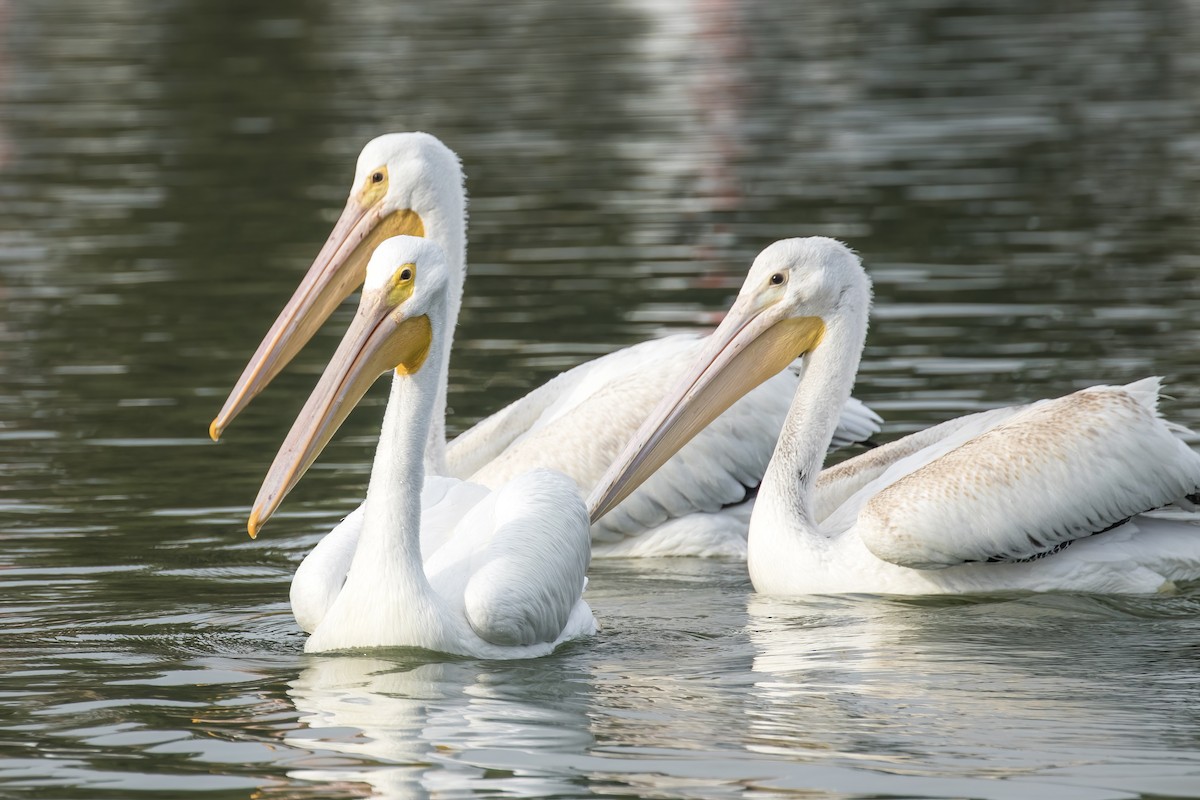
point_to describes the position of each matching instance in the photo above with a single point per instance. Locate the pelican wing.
(321, 574)
(472, 449)
(529, 552)
(870, 471)
(598, 406)
(1056, 471)
(488, 439)
(444, 503)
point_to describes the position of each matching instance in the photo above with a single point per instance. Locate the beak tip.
(215, 430)
(253, 525)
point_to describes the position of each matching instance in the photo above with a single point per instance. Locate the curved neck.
(446, 224)
(783, 513)
(389, 548)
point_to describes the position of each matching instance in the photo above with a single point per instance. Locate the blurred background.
(1022, 181)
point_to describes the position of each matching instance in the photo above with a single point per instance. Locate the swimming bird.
(1056, 494)
(411, 183)
(442, 565)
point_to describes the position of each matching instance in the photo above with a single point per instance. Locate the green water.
(1023, 184)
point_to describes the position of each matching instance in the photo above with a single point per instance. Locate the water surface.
(1022, 183)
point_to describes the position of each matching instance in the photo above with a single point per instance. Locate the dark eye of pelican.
(377, 177)
(406, 274)
(777, 279)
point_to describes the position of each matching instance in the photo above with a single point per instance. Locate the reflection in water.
(409, 728)
(696, 92)
(1034, 689)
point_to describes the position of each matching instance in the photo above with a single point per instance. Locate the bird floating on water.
(697, 504)
(433, 563)
(1059, 494)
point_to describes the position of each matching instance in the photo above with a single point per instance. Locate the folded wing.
(529, 554)
(1056, 471)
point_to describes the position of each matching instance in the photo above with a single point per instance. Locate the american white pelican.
(411, 183)
(1046, 496)
(456, 568)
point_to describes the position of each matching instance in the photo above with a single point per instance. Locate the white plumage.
(692, 505)
(438, 564)
(1059, 494)
(577, 422)
(1073, 454)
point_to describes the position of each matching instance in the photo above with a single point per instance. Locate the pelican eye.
(777, 279)
(377, 177)
(401, 286)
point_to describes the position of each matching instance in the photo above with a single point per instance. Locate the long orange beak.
(377, 341)
(338, 270)
(750, 345)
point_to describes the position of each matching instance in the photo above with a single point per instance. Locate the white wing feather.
(444, 504)
(869, 472)
(321, 574)
(599, 405)
(468, 452)
(1055, 471)
(471, 450)
(518, 560)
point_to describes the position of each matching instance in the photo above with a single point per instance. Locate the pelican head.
(796, 288)
(403, 184)
(400, 313)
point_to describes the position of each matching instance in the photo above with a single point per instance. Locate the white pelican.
(1046, 496)
(411, 183)
(490, 574)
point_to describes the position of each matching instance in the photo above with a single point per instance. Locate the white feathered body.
(1057, 495)
(507, 583)
(1049, 496)
(440, 564)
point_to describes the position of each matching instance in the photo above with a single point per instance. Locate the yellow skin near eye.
(373, 190)
(400, 288)
(414, 335)
(404, 222)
